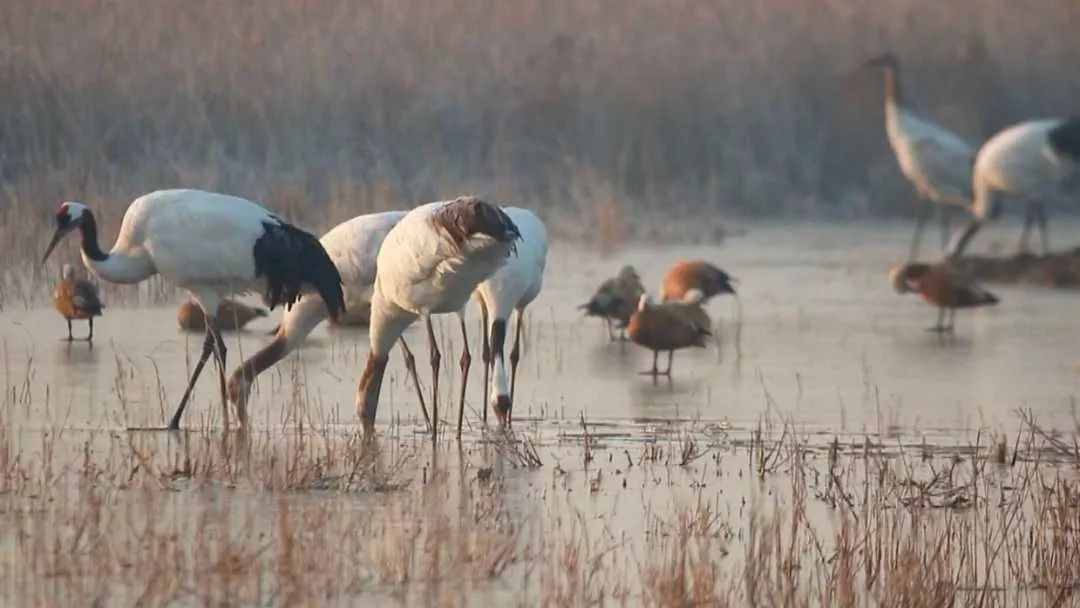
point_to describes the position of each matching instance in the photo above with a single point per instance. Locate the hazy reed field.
(324, 110)
(615, 121)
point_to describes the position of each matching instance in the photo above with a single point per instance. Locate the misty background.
(594, 108)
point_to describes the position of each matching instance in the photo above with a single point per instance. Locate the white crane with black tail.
(510, 289)
(212, 245)
(353, 246)
(430, 263)
(935, 160)
(1030, 163)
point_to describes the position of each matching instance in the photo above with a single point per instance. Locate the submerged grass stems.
(305, 512)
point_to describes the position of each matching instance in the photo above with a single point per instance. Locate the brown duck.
(76, 298)
(941, 286)
(685, 277)
(669, 326)
(231, 316)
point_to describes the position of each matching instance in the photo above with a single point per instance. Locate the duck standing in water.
(231, 315)
(943, 287)
(76, 298)
(669, 326)
(616, 299)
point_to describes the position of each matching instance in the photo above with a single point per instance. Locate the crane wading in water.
(1030, 163)
(430, 263)
(212, 245)
(510, 289)
(935, 160)
(353, 246)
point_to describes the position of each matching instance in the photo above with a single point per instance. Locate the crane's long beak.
(60, 232)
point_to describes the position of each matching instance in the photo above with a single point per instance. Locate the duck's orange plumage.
(76, 298)
(941, 286)
(687, 276)
(231, 315)
(668, 327)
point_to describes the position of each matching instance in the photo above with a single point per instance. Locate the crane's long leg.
(208, 347)
(1029, 219)
(466, 362)
(946, 228)
(1044, 237)
(486, 355)
(515, 356)
(410, 365)
(920, 221)
(219, 358)
(436, 357)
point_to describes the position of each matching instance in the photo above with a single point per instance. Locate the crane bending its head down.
(430, 263)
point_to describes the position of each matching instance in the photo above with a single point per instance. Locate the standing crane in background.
(353, 246)
(212, 245)
(936, 161)
(430, 263)
(510, 289)
(1028, 162)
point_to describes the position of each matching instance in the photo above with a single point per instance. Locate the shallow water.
(818, 339)
(822, 341)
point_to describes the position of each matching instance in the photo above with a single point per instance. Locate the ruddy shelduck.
(943, 287)
(685, 277)
(616, 299)
(77, 298)
(669, 326)
(231, 315)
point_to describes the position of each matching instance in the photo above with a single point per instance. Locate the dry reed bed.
(581, 109)
(689, 514)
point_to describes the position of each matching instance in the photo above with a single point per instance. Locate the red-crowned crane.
(510, 289)
(430, 263)
(212, 245)
(353, 246)
(935, 160)
(1028, 162)
(77, 298)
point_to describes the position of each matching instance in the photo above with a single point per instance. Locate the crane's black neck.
(90, 247)
(893, 90)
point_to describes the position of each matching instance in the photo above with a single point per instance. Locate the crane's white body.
(202, 241)
(430, 263)
(936, 161)
(353, 246)
(213, 245)
(1021, 162)
(515, 285)
(423, 272)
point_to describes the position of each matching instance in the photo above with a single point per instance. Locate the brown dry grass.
(326, 110)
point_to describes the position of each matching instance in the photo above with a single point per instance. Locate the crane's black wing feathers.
(289, 258)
